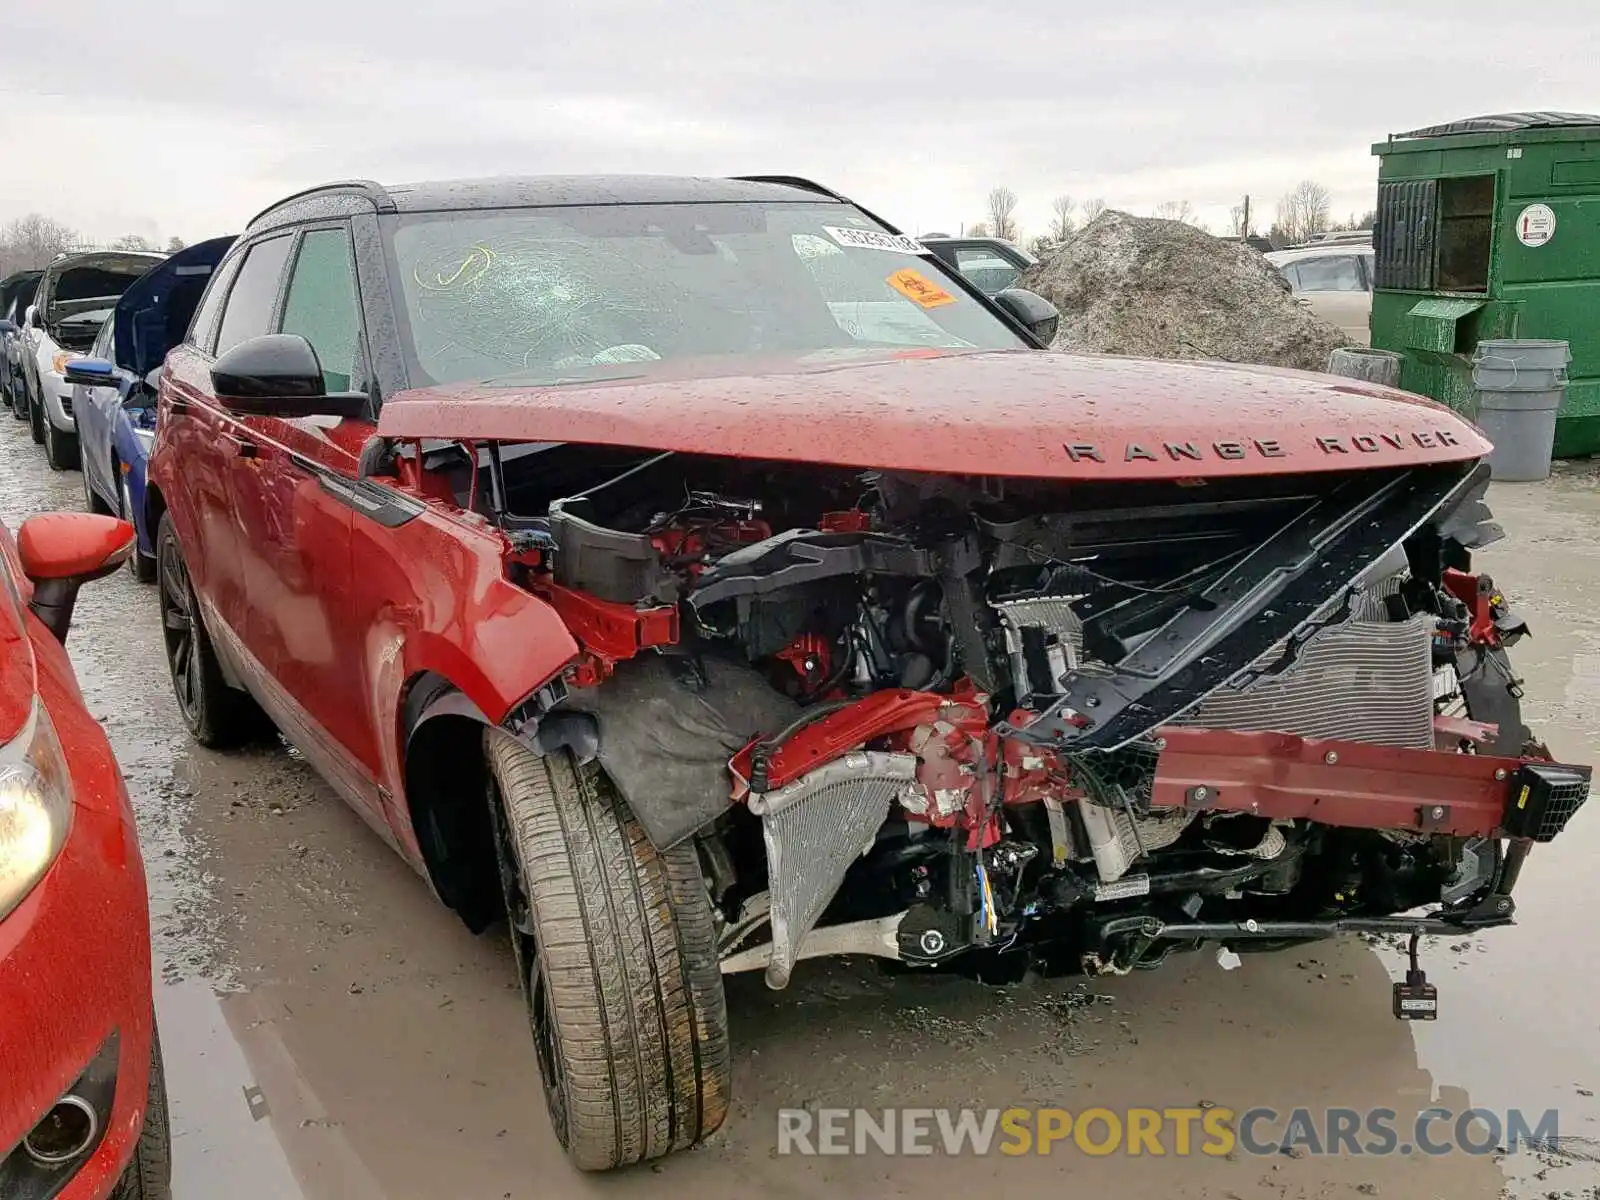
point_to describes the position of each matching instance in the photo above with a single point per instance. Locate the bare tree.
(1092, 209)
(131, 241)
(1303, 210)
(32, 241)
(1061, 223)
(174, 244)
(1236, 221)
(1002, 207)
(1177, 210)
(978, 229)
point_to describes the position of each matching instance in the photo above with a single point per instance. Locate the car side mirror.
(7, 325)
(31, 317)
(1030, 310)
(279, 375)
(61, 552)
(91, 372)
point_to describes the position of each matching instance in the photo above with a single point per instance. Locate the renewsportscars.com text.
(1179, 1132)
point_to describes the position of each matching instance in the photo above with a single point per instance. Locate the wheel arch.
(445, 775)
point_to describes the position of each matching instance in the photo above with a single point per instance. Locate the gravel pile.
(1162, 289)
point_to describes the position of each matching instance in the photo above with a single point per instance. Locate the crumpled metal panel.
(1361, 681)
(814, 829)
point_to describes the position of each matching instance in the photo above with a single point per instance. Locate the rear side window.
(203, 329)
(254, 294)
(322, 306)
(1330, 275)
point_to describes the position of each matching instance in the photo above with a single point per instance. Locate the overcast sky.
(165, 117)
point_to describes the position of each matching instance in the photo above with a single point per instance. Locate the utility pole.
(1244, 231)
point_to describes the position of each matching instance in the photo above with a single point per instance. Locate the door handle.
(242, 447)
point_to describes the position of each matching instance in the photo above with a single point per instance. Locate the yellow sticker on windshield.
(914, 285)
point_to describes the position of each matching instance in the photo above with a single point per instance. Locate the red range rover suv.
(701, 577)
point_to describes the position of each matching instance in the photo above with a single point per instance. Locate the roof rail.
(367, 188)
(794, 181)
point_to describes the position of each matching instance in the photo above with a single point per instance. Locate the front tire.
(219, 717)
(35, 413)
(149, 1175)
(617, 951)
(140, 565)
(60, 449)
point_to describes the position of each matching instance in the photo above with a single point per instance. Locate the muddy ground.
(333, 1034)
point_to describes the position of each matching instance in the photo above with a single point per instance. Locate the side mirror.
(7, 326)
(91, 372)
(1030, 310)
(31, 318)
(279, 375)
(61, 552)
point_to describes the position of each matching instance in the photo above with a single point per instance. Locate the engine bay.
(920, 716)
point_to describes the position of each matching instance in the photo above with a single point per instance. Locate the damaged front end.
(993, 721)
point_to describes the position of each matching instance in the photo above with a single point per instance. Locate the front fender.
(514, 644)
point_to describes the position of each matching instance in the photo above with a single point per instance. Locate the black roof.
(548, 191)
(1504, 123)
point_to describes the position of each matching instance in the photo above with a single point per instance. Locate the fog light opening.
(66, 1131)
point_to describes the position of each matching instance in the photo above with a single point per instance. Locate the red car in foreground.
(699, 576)
(83, 1110)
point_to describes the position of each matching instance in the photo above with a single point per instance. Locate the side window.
(203, 329)
(986, 268)
(322, 307)
(1288, 271)
(254, 293)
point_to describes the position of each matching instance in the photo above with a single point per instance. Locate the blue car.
(114, 388)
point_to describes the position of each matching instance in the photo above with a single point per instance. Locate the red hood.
(1008, 412)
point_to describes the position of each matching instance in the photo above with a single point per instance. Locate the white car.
(76, 294)
(1335, 281)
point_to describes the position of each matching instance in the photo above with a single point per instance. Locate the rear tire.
(149, 1175)
(619, 962)
(60, 449)
(219, 717)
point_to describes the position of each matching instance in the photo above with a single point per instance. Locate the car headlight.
(60, 359)
(35, 807)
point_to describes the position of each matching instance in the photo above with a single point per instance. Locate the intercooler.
(814, 829)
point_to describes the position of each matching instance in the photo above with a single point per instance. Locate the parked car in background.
(76, 295)
(83, 1107)
(992, 264)
(640, 596)
(1335, 280)
(16, 293)
(114, 387)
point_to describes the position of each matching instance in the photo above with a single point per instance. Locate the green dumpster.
(1489, 228)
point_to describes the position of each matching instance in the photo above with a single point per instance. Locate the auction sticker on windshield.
(875, 239)
(915, 286)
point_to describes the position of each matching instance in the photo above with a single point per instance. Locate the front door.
(295, 518)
